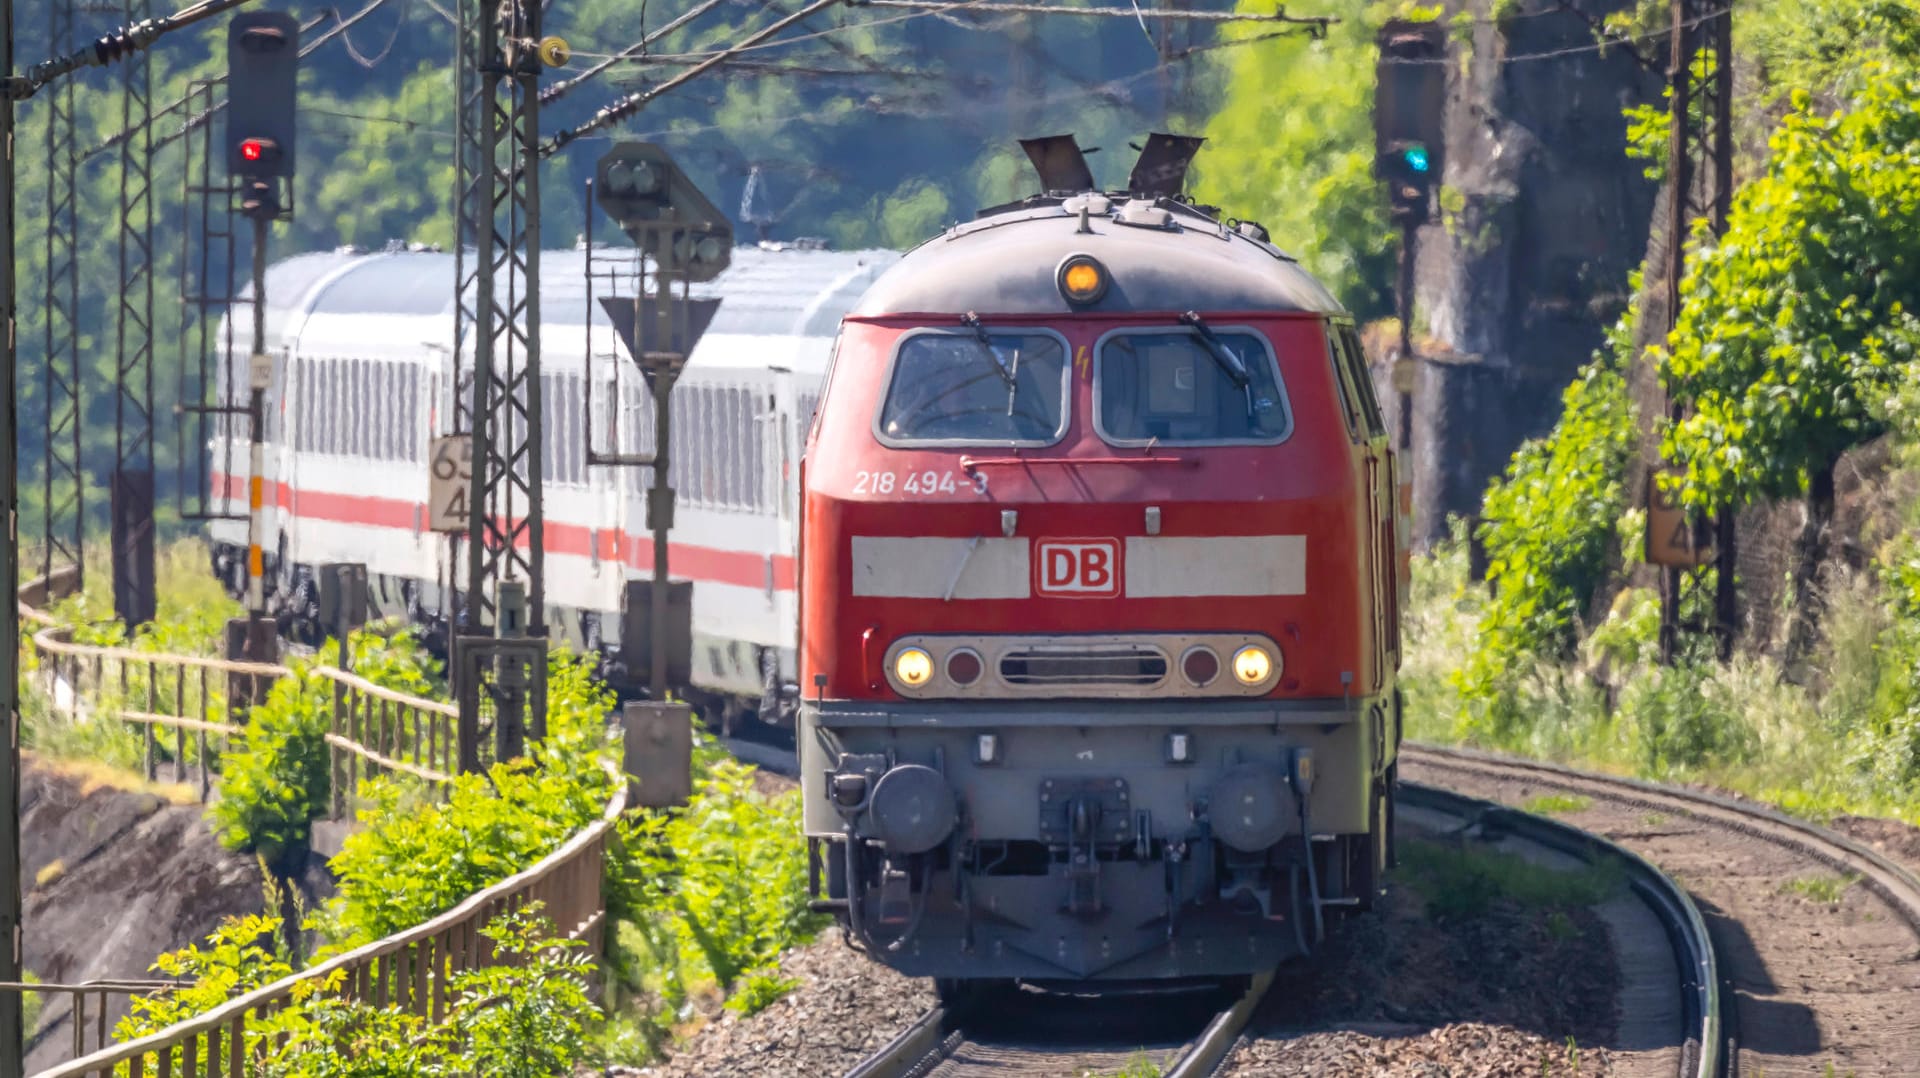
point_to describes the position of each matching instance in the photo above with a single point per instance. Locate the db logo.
(1078, 568)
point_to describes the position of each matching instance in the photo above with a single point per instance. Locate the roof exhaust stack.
(1161, 169)
(1061, 162)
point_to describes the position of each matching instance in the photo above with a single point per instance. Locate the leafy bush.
(525, 1017)
(723, 879)
(1795, 323)
(233, 963)
(1549, 525)
(413, 858)
(275, 777)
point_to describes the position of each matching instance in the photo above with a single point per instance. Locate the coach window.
(1183, 387)
(951, 387)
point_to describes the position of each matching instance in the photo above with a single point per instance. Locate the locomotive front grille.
(1130, 666)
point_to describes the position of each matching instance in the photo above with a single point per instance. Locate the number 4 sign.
(452, 481)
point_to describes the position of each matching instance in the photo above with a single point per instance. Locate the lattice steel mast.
(504, 507)
(1700, 184)
(133, 465)
(506, 580)
(63, 481)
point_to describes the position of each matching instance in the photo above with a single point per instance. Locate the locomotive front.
(1099, 589)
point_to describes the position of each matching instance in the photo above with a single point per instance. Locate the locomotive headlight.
(913, 667)
(1082, 279)
(1252, 664)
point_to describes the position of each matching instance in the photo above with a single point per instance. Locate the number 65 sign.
(452, 464)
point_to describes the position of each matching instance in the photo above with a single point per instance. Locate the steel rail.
(1894, 884)
(942, 1031)
(1705, 1053)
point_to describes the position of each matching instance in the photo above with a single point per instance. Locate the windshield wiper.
(1230, 364)
(1010, 379)
(1223, 357)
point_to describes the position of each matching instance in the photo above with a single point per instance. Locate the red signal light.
(252, 149)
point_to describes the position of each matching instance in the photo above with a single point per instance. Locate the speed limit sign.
(452, 463)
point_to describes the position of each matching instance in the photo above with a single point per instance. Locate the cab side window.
(1363, 382)
(1356, 386)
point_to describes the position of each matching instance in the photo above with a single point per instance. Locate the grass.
(1824, 890)
(1459, 881)
(1557, 805)
(1137, 1067)
(1807, 749)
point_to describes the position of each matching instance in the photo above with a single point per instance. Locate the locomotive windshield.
(960, 388)
(1177, 387)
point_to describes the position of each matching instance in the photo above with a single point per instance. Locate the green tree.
(1794, 324)
(1292, 147)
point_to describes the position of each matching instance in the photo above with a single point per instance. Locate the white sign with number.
(452, 482)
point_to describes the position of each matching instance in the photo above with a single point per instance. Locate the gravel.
(1463, 1050)
(1407, 990)
(846, 1007)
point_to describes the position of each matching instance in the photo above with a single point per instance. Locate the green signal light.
(1416, 158)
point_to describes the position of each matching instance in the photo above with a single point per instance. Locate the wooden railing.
(200, 703)
(373, 730)
(410, 969)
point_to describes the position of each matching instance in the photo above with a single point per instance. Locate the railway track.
(1180, 1037)
(1803, 989)
(1076, 1037)
(1898, 887)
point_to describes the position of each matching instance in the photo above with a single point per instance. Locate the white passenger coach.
(362, 350)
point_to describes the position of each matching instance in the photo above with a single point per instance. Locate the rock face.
(1540, 219)
(114, 878)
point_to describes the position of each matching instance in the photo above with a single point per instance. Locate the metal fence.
(410, 969)
(190, 708)
(196, 703)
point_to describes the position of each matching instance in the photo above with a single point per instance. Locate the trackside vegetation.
(702, 900)
(1794, 347)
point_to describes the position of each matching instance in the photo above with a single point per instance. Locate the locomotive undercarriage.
(1080, 848)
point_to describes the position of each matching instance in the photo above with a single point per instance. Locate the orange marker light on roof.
(1082, 279)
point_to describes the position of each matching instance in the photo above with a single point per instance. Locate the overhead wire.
(1621, 42)
(1016, 7)
(393, 39)
(559, 89)
(634, 102)
(194, 123)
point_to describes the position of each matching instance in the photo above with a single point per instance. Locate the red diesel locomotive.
(1100, 578)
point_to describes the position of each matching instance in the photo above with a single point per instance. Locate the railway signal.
(667, 217)
(263, 58)
(1409, 140)
(687, 239)
(1408, 116)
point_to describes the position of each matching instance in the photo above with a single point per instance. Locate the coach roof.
(1160, 255)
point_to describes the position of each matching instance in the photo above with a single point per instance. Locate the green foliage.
(1825, 47)
(1459, 881)
(1649, 127)
(723, 880)
(275, 779)
(526, 1017)
(233, 963)
(413, 858)
(1556, 805)
(1549, 529)
(1825, 890)
(759, 991)
(1795, 323)
(1292, 147)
